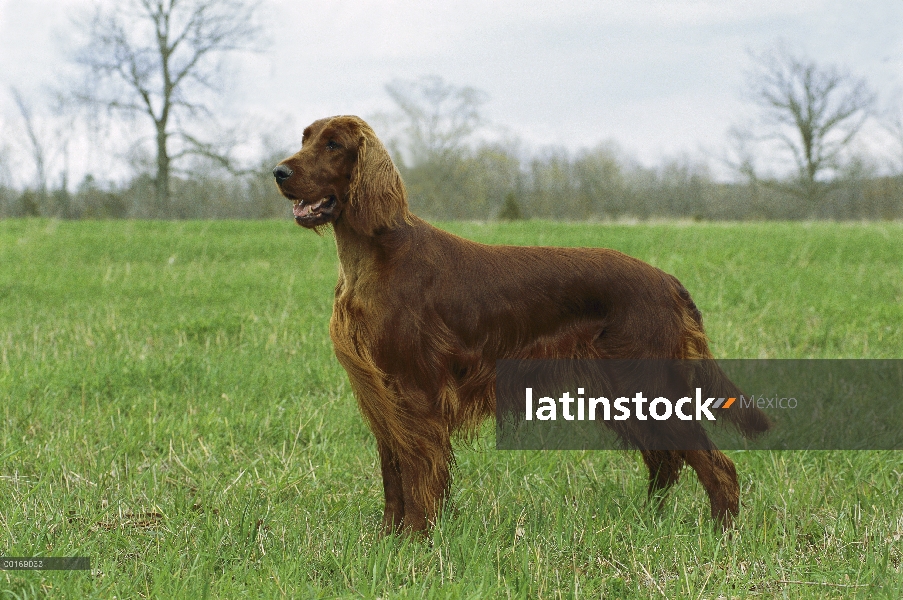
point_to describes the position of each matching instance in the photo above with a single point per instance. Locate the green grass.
(171, 408)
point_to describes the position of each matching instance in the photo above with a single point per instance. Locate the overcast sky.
(660, 78)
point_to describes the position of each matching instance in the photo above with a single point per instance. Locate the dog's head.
(342, 172)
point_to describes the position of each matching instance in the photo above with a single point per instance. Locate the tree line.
(154, 64)
(489, 182)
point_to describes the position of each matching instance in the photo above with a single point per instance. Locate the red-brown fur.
(421, 316)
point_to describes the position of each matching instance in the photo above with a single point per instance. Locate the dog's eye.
(331, 145)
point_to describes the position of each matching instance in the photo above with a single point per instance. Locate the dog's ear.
(376, 198)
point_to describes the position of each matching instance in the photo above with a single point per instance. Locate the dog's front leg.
(425, 482)
(393, 515)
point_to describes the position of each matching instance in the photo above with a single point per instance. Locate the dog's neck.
(359, 253)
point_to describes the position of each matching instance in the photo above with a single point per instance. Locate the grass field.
(172, 409)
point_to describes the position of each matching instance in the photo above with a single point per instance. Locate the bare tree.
(36, 146)
(162, 59)
(436, 117)
(47, 132)
(740, 156)
(813, 112)
(892, 123)
(428, 134)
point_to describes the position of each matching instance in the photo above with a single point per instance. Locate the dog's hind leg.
(718, 476)
(664, 471)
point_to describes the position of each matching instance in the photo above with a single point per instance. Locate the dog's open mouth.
(314, 213)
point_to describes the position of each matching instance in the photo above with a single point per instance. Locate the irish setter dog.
(420, 317)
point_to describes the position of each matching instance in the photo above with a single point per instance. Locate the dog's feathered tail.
(708, 374)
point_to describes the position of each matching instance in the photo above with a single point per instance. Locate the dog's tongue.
(304, 209)
(301, 209)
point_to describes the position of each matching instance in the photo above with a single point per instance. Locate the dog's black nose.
(281, 173)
